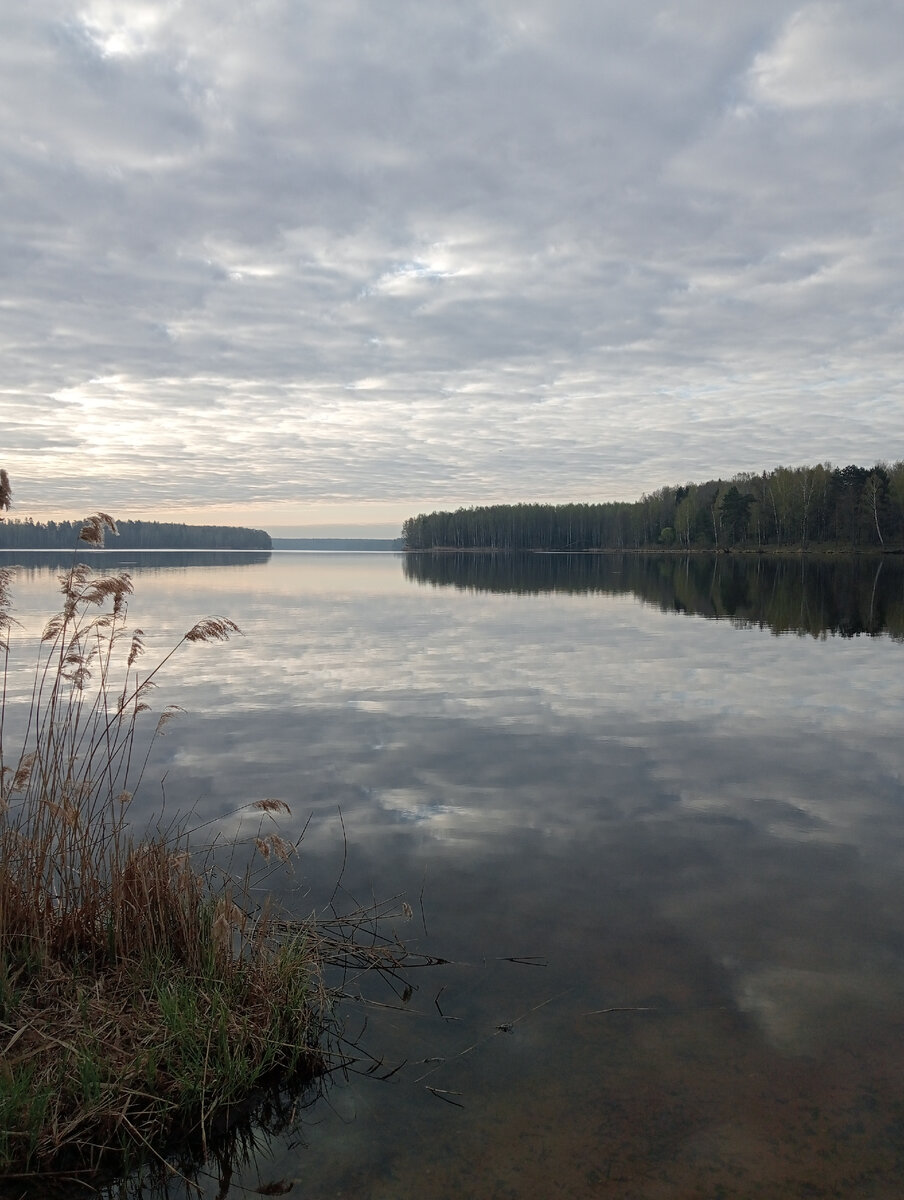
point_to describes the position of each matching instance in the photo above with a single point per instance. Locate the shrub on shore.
(142, 992)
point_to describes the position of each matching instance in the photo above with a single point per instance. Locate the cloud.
(832, 54)
(287, 252)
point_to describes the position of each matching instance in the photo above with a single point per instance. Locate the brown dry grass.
(140, 990)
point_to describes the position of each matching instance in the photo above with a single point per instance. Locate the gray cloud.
(285, 252)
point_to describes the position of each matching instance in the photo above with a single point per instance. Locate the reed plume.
(142, 988)
(118, 954)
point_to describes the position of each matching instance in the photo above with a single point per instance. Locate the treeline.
(843, 596)
(133, 535)
(860, 507)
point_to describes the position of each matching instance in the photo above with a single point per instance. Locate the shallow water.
(695, 826)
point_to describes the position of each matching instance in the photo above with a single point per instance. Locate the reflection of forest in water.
(33, 562)
(820, 596)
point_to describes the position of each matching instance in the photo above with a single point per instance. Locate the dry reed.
(141, 991)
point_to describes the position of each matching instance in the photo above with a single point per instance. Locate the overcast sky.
(294, 263)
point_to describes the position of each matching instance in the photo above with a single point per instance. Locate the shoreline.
(820, 551)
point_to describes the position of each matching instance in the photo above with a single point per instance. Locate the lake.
(650, 809)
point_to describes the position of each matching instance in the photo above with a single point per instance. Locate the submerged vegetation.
(142, 991)
(851, 507)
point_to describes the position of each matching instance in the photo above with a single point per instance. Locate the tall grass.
(141, 992)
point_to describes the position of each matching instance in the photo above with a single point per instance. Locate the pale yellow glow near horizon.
(385, 516)
(264, 515)
(351, 518)
(348, 518)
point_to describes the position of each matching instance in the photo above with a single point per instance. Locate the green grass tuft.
(141, 991)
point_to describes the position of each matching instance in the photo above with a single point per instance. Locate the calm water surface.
(695, 825)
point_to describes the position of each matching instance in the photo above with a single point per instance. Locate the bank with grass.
(143, 992)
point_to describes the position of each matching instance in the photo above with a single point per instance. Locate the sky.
(316, 267)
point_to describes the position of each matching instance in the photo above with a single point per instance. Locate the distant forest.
(133, 535)
(860, 507)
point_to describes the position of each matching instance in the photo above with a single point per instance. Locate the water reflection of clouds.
(744, 788)
(797, 1009)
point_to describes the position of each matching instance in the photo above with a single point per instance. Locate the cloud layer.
(283, 254)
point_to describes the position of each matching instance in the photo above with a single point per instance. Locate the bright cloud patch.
(123, 28)
(833, 53)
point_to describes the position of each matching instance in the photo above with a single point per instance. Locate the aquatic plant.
(142, 991)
